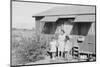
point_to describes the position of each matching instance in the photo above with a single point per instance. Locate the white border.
(5, 32)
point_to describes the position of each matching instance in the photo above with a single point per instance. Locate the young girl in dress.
(53, 45)
(61, 43)
(68, 47)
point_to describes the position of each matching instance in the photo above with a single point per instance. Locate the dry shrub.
(27, 50)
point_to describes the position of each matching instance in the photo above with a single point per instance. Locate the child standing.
(53, 45)
(61, 39)
(68, 47)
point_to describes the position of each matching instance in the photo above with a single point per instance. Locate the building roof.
(78, 18)
(68, 10)
(54, 18)
(85, 18)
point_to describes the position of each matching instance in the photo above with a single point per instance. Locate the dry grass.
(27, 47)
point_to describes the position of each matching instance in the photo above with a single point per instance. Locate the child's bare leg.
(66, 55)
(59, 53)
(53, 55)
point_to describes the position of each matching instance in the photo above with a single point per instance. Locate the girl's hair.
(67, 37)
(63, 31)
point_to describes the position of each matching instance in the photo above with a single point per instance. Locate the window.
(49, 28)
(83, 28)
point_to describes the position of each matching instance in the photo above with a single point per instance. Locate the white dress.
(68, 46)
(53, 45)
(61, 42)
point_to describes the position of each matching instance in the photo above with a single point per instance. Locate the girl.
(68, 47)
(53, 45)
(61, 43)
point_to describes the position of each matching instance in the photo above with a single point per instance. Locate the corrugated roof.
(67, 10)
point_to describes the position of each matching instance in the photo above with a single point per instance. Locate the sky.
(22, 13)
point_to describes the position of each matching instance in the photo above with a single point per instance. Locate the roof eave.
(65, 15)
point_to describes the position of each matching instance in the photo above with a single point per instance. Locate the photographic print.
(52, 33)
